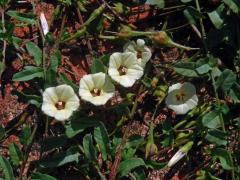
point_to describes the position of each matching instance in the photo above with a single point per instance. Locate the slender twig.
(204, 37)
(27, 152)
(61, 29)
(4, 42)
(121, 19)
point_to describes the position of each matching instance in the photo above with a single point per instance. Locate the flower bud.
(125, 32)
(161, 38)
(180, 154)
(154, 82)
(151, 149)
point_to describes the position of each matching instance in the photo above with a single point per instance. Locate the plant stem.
(218, 102)
(4, 42)
(204, 37)
(27, 153)
(181, 46)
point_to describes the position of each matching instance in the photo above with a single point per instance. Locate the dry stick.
(114, 12)
(88, 41)
(4, 42)
(28, 150)
(118, 157)
(61, 30)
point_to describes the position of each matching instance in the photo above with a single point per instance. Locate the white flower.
(178, 156)
(44, 24)
(139, 48)
(182, 97)
(60, 102)
(96, 88)
(124, 68)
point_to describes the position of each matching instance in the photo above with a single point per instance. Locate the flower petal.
(50, 95)
(108, 86)
(126, 81)
(101, 100)
(135, 73)
(98, 80)
(86, 82)
(174, 87)
(63, 115)
(115, 60)
(85, 94)
(64, 92)
(49, 109)
(128, 59)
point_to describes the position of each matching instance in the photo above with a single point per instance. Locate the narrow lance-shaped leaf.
(88, 147)
(35, 51)
(24, 17)
(28, 73)
(128, 165)
(15, 154)
(40, 176)
(102, 139)
(6, 167)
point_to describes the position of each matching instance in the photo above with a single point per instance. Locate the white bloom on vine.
(139, 48)
(96, 88)
(177, 157)
(44, 23)
(124, 68)
(181, 97)
(60, 102)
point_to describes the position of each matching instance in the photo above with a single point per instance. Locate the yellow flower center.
(122, 70)
(96, 92)
(180, 96)
(60, 105)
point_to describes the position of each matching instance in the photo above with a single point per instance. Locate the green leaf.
(40, 176)
(78, 124)
(217, 137)
(2, 68)
(6, 167)
(31, 99)
(226, 80)
(128, 153)
(25, 135)
(233, 5)
(216, 19)
(2, 133)
(192, 14)
(205, 175)
(186, 69)
(15, 154)
(24, 17)
(155, 165)
(225, 158)
(97, 66)
(51, 78)
(88, 147)
(134, 141)
(211, 120)
(139, 174)
(54, 142)
(159, 3)
(35, 51)
(67, 81)
(30, 72)
(186, 1)
(102, 139)
(128, 165)
(203, 69)
(60, 159)
(55, 60)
